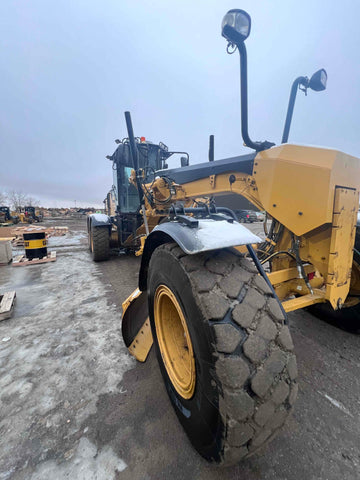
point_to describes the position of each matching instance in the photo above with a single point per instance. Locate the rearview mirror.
(184, 161)
(236, 25)
(318, 80)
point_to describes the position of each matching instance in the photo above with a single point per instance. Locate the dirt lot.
(75, 405)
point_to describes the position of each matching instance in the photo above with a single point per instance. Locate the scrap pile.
(17, 238)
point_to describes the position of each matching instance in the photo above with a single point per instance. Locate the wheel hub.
(174, 342)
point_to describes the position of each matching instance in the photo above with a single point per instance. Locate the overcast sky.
(69, 69)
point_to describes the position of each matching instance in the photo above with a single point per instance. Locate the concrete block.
(5, 253)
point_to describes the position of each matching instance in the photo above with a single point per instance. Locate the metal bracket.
(188, 221)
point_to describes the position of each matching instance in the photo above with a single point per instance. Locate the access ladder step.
(302, 302)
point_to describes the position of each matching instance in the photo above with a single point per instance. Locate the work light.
(318, 80)
(236, 26)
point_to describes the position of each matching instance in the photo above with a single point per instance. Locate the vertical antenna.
(211, 148)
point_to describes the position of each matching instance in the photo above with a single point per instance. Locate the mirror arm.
(295, 86)
(244, 97)
(258, 146)
(134, 155)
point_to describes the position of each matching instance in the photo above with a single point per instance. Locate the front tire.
(99, 240)
(243, 384)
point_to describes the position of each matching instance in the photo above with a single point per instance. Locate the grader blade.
(135, 325)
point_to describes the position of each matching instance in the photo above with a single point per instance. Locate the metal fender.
(98, 220)
(206, 235)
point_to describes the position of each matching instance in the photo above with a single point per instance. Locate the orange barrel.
(35, 244)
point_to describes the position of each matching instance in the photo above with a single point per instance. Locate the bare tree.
(31, 201)
(3, 198)
(17, 199)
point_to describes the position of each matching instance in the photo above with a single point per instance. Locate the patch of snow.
(86, 464)
(308, 145)
(66, 348)
(210, 235)
(66, 240)
(337, 404)
(214, 234)
(100, 217)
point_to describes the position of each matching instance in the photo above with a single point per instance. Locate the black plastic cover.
(242, 163)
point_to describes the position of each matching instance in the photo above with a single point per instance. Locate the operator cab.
(5, 211)
(151, 158)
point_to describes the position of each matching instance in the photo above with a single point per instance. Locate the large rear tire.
(348, 318)
(232, 380)
(99, 243)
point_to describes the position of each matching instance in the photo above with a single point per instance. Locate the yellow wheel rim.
(174, 342)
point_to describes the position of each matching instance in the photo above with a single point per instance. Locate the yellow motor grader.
(213, 297)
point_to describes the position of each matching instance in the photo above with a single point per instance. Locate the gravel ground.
(74, 404)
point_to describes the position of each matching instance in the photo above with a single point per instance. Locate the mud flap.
(135, 325)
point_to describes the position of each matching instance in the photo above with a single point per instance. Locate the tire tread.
(246, 394)
(101, 245)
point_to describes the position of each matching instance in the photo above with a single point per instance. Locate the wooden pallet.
(7, 305)
(22, 261)
(57, 231)
(18, 240)
(31, 229)
(19, 231)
